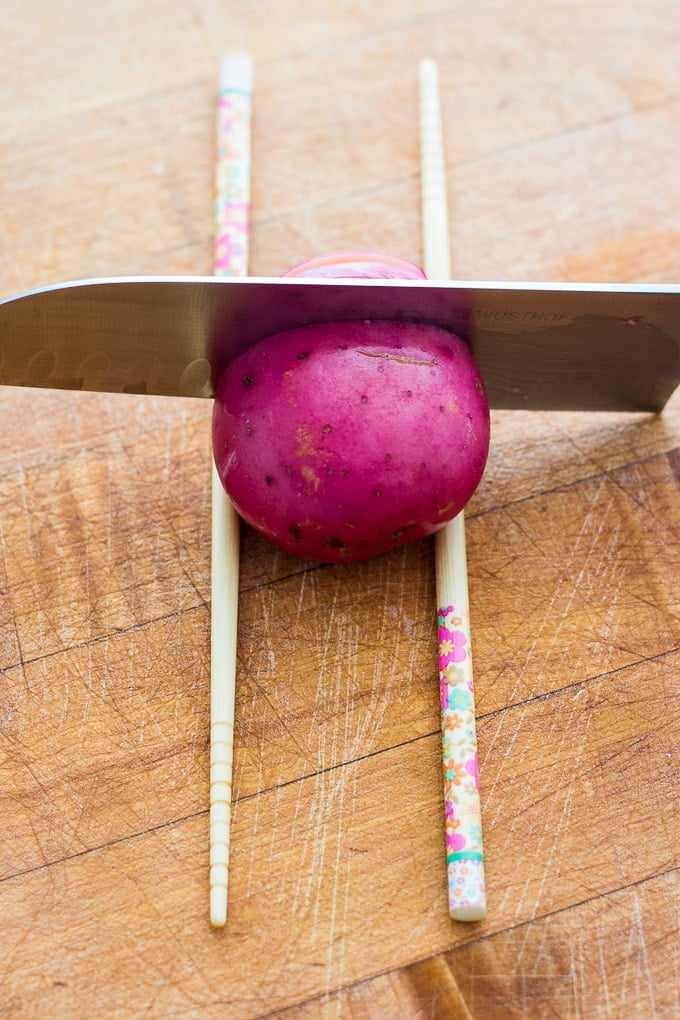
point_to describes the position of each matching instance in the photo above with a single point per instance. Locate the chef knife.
(538, 346)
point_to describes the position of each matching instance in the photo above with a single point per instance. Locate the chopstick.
(464, 849)
(232, 181)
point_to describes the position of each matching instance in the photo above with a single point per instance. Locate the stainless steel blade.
(538, 346)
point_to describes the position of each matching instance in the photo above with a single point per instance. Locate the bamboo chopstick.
(231, 259)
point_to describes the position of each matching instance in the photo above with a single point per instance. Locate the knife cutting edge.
(551, 346)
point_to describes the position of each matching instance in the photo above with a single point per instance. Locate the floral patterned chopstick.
(232, 173)
(464, 850)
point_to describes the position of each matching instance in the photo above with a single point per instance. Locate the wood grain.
(562, 147)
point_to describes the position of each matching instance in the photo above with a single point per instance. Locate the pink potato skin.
(340, 441)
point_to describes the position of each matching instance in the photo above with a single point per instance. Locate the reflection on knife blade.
(538, 346)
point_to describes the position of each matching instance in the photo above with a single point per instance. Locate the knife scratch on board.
(638, 957)
(574, 732)
(579, 570)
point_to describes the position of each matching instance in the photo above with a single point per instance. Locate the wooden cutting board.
(563, 140)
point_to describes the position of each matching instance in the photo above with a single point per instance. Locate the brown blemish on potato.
(310, 476)
(336, 543)
(315, 460)
(304, 446)
(400, 359)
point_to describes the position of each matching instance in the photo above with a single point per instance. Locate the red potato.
(339, 441)
(366, 265)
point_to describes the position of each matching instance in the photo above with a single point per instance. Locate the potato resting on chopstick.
(342, 440)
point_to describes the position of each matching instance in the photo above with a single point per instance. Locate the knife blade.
(538, 345)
